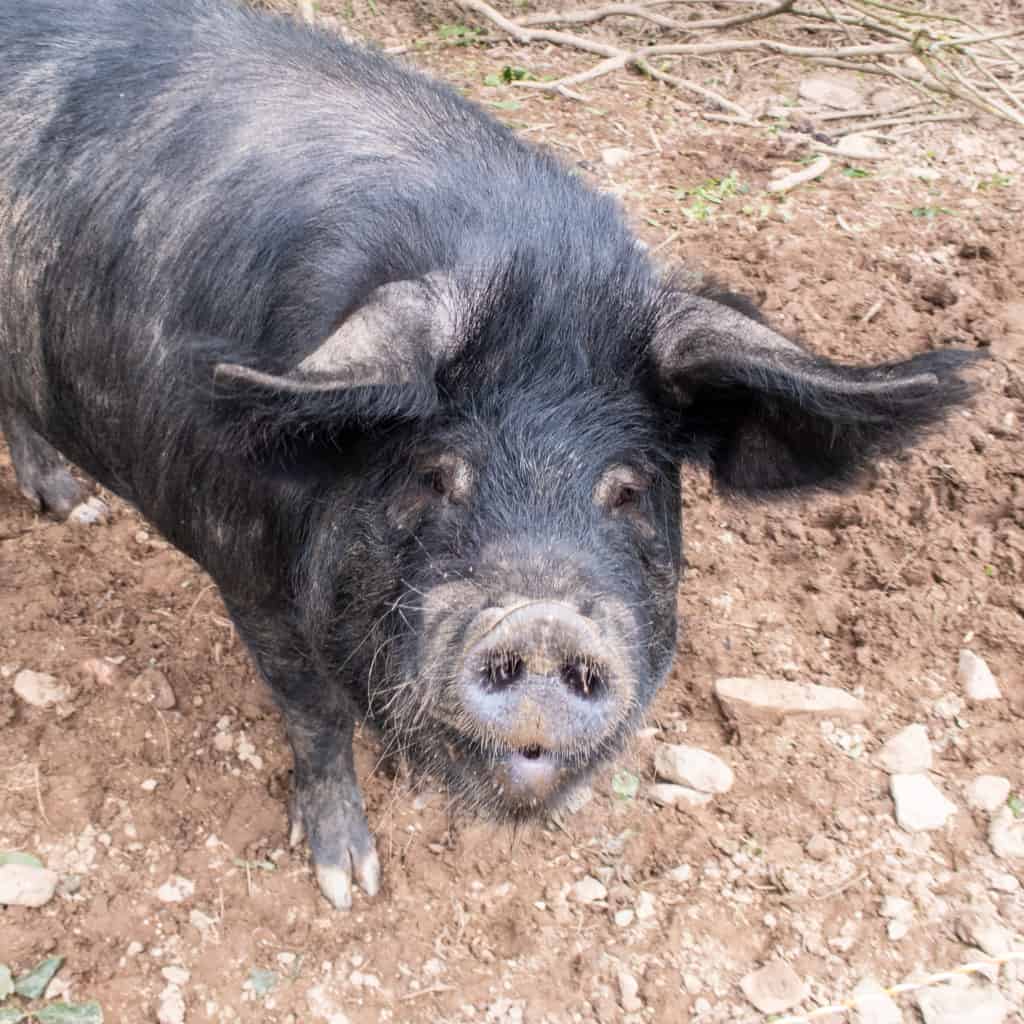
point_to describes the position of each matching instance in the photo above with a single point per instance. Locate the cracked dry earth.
(154, 787)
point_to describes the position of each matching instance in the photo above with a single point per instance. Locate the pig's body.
(406, 389)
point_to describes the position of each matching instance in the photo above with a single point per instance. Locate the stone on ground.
(976, 678)
(906, 752)
(774, 988)
(876, 1008)
(759, 697)
(988, 792)
(975, 1004)
(1006, 834)
(692, 767)
(920, 805)
(26, 885)
(667, 794)
(40, 689)
(829, 91)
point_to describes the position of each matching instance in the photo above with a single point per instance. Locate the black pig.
(409, 391)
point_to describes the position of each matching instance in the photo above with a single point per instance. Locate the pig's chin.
(514, 784)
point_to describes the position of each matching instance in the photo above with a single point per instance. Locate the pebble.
(820, 847)
(988, 792)
(615, 156)
(877, 1007)
(920, 805)
(680, 873)
(828, 91)
(759, 697)
(40, 689)
(175, 975)
(102, 670)
(645, 906)
(92, 512)
(25, 885)
(176, 890)
(973, 1005)
(624, 918)
(667, 794)
(1006, 834)
(859, 146)
(152, 687)
(906, 752)
(982, 929)
(588, 890)
(171, 1009)
(629, 988)
(976, 678)
(692, 767)
(774, 988)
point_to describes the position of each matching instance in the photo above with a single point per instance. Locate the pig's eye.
(621, 489)
(449, 478)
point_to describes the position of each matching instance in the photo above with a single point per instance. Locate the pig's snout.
(544, 683)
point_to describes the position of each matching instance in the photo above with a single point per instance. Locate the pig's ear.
(768, 415)
(403, 329)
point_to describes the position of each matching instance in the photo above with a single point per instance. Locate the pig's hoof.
(343, 853)
(54, 491)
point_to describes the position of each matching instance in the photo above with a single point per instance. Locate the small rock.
(897, 930)
(896, 908)
(692, 767)
(171, 1009)
(25, 885)
(820, 847)
(176, 975)
(988, 792)
(874, 1006)
(1006, 834)
(588, 890)
(692, 984)
(645, 906)
(40, 689)
(323, 1007)
(615, 156)
(628, 989)
(973, 1005)
(774, 988)
(981, 929)
(667, 794)
(759, 697)
(920, 806)
(829, 91)
(101, 670)
(92, 512)
(152, 687)
(976, 678)
(906, 752)
(224, 742)
(176, 890)
(624, 918)
(859, 147)
(679, 874)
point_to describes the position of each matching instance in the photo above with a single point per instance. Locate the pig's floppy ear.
(402, 329)
(769, 415)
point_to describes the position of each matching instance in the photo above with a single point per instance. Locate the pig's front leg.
(326, 805)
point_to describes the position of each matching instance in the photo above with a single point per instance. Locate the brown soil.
(874, 592)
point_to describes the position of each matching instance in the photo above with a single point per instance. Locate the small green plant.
(1016, 805)
(510, 74)
(709, 194)
(460, 35)
(856, 172)
(995, 181)
(930, 212)
(505, 104)
(31, 986)
(625, 785)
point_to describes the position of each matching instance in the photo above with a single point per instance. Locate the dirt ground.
(874, 592)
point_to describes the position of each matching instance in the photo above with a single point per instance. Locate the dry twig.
(941, 57)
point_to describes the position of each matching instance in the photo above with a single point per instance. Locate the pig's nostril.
(532, 753)
(502, 670)
(584, 679)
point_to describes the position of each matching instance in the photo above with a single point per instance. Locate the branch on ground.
(944, 58)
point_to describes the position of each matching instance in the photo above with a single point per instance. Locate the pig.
(406, 388)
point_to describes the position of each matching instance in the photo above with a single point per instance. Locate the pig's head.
(497, 568)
